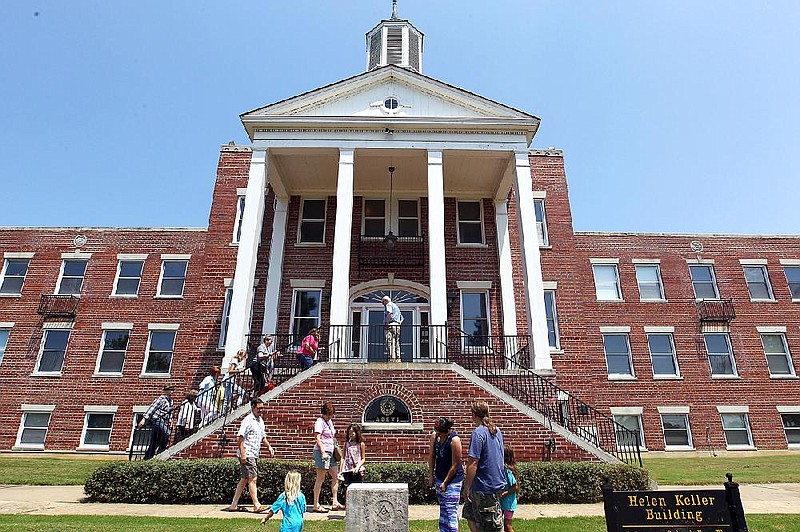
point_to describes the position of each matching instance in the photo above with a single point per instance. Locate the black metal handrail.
(554, 403)
(391, 250)
(58, 306)
(368, 343)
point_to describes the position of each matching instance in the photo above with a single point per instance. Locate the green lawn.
(711, 470)
(46, 470)
(25, 523)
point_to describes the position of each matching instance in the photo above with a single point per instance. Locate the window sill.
(678, 448)
(11, 295)
(472, 245)
(555, 351)
(653, 301)
(548, 246)
(786, 377)
(667, 377)
(234, 244)
(124, 296)
(622, 378)
(390, 427)
(46, 374)
(73, 295)
(763, 300)
(92, 448)
(312, 244)
(154, 375)
(28, 448)
(741, 448)
(726, 377)
(107, 375)
(168, 297)
(611, 301)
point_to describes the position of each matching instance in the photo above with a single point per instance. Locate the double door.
(368, 339)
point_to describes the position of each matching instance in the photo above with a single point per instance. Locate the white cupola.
(394, 42)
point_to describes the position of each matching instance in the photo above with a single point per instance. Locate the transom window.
(173, 278)
(475, 318)
(737, 430)
(552, 318)
(792, 274)
(470, 222)
(112, 351)
(703, 281)
(13, 276)
(758, 282)
(618, 355)
(33, 429)
(312, 222)
(129, 276)
(648, 277)
(677, 433)
(791, 427)
(72, 273)
(720, 355)
(305, 311)
(97, 429)
(776, 350)
(541, 222)
(662, 354)
(606, 282)
(53, 350)
(160, 349)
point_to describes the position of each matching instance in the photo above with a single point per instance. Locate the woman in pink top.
(308, 349)
(325, 436)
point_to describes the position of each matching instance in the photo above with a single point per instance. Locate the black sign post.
(674, 511)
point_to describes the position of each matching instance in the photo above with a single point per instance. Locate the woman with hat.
(446, 472)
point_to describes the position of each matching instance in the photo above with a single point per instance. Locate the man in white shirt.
(392, 318)
(251, 436)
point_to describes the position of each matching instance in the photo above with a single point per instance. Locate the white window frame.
(239, 218)
(173, 258)
(364, 218)
(789, 410)
(738, 411)
(554, 319)
(48, 327)
(758, 264)
(226, 312)
(635, 412)
(484, 292)
(158, 328)
(710, 266)
(735, 374)
(64, 261)
(541, 225)
(33, 409)
(396, 215)
(295, 291)
(606, 263)
(793, 264)
(5, 326)
(637, 264)
(459, 221)
(618, 331)
(676, 411)
(301, 219)
(128, 258)
(100, 410)
(106, 327)
(669, 332)
(4, 274)
(780, 332)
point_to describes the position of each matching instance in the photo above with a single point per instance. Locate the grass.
(46, 470)
(711, 470)
(46, 523)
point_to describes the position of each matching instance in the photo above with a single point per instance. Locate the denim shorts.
(319, 463)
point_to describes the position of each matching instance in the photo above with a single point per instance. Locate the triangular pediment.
(368, 95)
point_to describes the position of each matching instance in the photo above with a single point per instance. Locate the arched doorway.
(368, 335)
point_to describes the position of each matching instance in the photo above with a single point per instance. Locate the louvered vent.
(394, 45)
(413, 51)
(375, 50)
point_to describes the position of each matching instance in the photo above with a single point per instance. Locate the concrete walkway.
(67, 500)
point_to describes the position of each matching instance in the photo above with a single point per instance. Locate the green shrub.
(214, 481)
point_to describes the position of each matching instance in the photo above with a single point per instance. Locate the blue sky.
(679, 116)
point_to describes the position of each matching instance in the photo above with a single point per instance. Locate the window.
(618, 355)
(662, 354)
(470, 222)
(160, 348)
(475, 318)
(129, 275)
(407, 218)
(226, 314)
(97, 429)
(676, 431)
(648, 277)
(173, 278)
(791, 427)
(72, 272)
(737, 430)
(552, 318)
(374, 217)
(776, 350)
(5, 330)
(237, 223)
(33, 427)
(792, 274)
(13, 276)
(606, 282)
(720, 355)
(305, 311)
(112, 351)
(312, 222)
(703, 281)
(541, 222)
(632, 423)
(758, 282)
(53, 350)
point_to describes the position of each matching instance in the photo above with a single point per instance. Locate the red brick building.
(394, 183)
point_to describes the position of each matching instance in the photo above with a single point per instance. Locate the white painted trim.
(140, 409)
(730, 409)
(176, 256)
(18, 255)
(436, 237)
(479, 201)
(550, 285)
(507, 296)
(172, 258)
(626, 410)
(307, 283)
(788, 409)
(227, 282)
(25, 407)
(76, 255)
(753, 262)
(342, 237)
(615, 329)
(790, 262)
(324, 219)
(7, 324)
(132, 256)
(699, 261)
(274, 272)
(474, 285)
(115, 325)
(58, 325)
(659, 329)
(601, 260)
(771, 328)
(96, 409)
(539, 194)
(163, 327)
(673, 410)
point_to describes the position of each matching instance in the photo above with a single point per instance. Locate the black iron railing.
(58, 306)
(720, 310)
(391, 251)
(507, 371)
(368, 343)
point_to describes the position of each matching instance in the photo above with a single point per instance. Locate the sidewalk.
(67, 500)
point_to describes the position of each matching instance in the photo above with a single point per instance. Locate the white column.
(275, 272)
(436, 261)
(506, 273)
(342, 237)
(531, 261)
(246, 257)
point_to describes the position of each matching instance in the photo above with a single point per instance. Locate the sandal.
(338, 507)
(320, 510)
(260, 509)
(238, 508)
